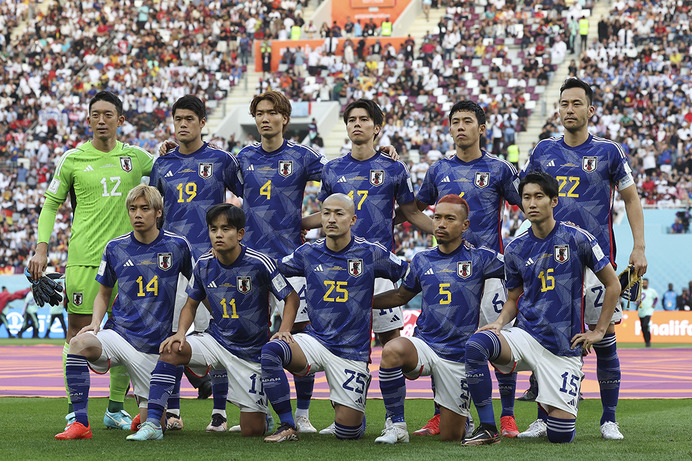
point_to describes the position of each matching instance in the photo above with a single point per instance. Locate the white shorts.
(348, 379)
(115, 350)
(594, 292)
(244, 377)
(451, 390)
(298, 284)
(559, 378)
(384, 320)
(202, 317)
(494, 297)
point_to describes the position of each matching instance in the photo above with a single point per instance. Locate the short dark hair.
(235, 217)
(574, 82)
(108, 97)
(468, 106)
(546, 182)
(193, 103)
(370, 106)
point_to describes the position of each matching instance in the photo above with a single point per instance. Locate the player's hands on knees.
(390, 152)
(283, 336)
(587, 339)
(168, 344)
(92, 327)
(638, 260)
(495, 327)
(166, 147)
(37, 264)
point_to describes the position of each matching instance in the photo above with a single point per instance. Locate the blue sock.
(608, 374)
(219, 388)
(561, 430)
(432, 386)
(542, 414)
(78, 382)
(393, 389)
(507, 385)
(174, 399)
(349, 432)
(304, 386)
(275, 356)
(163, 380)
(480, 348)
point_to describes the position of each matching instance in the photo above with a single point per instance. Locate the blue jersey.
(190, 185)
(374, 185)
(339, 290)
(147, 276)
(273, 194)
(239, 299)
(587, 176)
(551, 271)
(485, 183)
(452, 286)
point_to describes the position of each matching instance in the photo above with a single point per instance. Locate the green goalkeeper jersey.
(97, 184)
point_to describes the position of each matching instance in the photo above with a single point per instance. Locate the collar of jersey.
(274, 152)
(580, 146)
(453, 253)
(137, 242)
(237, 260)
(547, 237)
(343, 250)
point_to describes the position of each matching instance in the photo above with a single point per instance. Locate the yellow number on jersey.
(190, 189)
(266, 190)
(363, 195)
(547, 280)
(152, 286)
(446, 293)
(339, 288)
(574, 180)
(234, 314)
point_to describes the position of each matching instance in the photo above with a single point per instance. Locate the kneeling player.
(340, 273)
(545, 269)
(451, 277)
(146, 264)
(237, 282)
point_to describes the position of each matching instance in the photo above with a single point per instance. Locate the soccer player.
(645, 309)
(236, 280)
(451, 277)
(340, 273)
(193, 178)
(97, 176)
(545, 269)
(145, 263)
(485, 182)
(588, 169)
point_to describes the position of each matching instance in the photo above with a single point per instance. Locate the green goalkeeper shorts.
(81, 288)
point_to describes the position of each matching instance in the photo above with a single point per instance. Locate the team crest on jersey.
(165, 261)
(285, 168)
(482, 180)
(126, 164)
(561, 253)
(244, 284)
(205, 170)
(464, 269)
(355, 267)
(77, 298)
(376, 177)
(588, 164)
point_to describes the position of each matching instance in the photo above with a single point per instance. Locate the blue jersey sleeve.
(155, 177)
(326, 188)
(291, 265)
(388, 265)
(512, 273)
(106, 275)
(494, 264)
(510, 186)
(186, 268)
(404, 189)
(591, 253)
(428, 190)
(411, 280)
(232, 176)
(195, 288)
(279, 285)
(314, 165)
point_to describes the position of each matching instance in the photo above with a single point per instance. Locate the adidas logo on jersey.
(360, 400)
(129, 263)
(529, 262)
(89, 168)
(212, 284)
(169, 174)
(342, 179)
(251, 168)
(395, 318)
(551, 163)
(318, 268)
(430, 272)
(445, 179)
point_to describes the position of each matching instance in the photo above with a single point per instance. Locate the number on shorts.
(360, 379)
(598, 290)
(573, 384)
(498, 303)
(255, 381)
(465, 396)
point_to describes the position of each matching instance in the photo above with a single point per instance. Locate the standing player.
(485, 182)
(193, 178)
(145, 263)
(237, 281)
(340, 273)
(97, 176)
(451, 277)
(545, 269)
(645, 309)
(588, 169)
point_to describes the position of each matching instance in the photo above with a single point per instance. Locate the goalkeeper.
(97, 176)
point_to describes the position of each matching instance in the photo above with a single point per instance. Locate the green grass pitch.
(653, 429)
